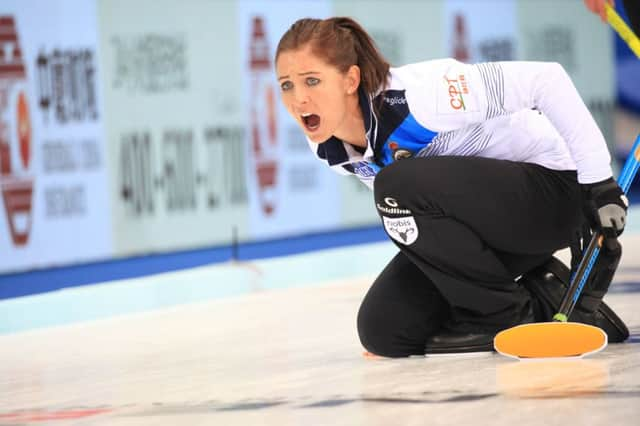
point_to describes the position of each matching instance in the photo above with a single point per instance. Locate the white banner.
(480, 31)
(54, 204)
(175, 124)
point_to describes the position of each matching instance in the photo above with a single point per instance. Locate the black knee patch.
(379, 333)
(372, 332)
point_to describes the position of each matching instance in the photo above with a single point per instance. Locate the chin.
(316, 138)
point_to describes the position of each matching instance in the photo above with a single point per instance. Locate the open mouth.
(311, 121)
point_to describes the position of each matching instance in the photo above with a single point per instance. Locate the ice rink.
(284, 351)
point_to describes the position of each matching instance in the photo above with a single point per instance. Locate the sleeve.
(446, 95)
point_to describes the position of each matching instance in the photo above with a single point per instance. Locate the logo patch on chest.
(363, 169)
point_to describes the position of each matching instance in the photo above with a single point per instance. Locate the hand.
(597, 6)
(605, 207)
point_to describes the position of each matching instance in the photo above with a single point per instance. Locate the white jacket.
(520, 111)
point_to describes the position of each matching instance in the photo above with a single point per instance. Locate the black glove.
(605, 207)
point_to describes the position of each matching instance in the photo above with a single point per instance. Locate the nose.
(301, 96)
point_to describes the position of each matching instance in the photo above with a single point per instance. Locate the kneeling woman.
(480, 173)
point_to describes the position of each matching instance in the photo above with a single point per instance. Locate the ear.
(352, 79)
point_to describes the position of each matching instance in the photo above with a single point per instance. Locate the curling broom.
(560, 338)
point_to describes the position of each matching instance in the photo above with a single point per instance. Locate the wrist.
(596, 188)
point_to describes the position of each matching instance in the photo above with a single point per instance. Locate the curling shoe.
(452, 340)
(548, 284)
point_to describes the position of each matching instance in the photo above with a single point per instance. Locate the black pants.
(466, 227)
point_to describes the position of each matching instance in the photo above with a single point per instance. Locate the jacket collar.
(336, 152)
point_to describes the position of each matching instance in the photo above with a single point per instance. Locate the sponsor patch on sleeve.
(454, 93)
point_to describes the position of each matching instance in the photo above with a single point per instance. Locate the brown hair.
(342, 42)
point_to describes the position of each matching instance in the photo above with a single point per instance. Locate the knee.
(374, 335)
(382, 334)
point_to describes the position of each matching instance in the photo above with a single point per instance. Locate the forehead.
(299, 61)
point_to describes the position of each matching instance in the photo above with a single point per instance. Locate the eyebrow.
(302, 73)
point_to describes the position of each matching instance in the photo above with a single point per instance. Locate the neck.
(352, 130)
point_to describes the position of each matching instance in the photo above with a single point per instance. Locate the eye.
(312, 81)
(286, 85)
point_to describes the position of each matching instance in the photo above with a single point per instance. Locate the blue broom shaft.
(630, 167)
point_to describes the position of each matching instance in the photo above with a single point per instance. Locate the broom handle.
(623, 30)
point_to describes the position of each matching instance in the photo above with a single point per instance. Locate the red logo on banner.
(460, 39)
(264, 137)
(16, 183)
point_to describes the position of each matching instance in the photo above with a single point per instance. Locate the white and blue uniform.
(520, 111)
(487, 191)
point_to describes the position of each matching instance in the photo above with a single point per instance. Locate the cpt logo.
(457, 89)
(16, 180)
(455, 93)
